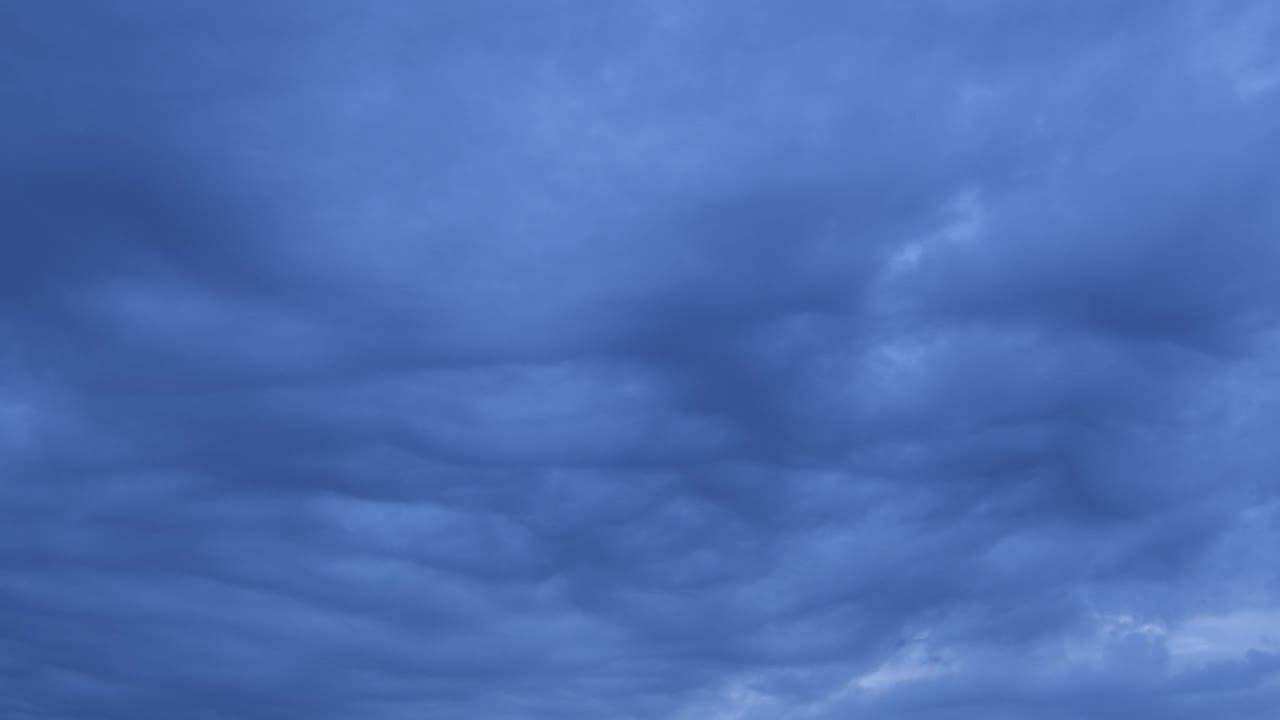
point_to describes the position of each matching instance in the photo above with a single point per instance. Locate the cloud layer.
(639, 360)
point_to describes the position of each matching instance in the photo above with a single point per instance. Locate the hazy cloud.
(640, 360)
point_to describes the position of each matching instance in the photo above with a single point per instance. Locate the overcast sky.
(644, 360)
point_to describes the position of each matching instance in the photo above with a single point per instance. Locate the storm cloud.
(657, 360)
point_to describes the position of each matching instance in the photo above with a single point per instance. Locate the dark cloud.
(650, 360)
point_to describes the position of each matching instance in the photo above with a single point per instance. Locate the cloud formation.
(639, 360)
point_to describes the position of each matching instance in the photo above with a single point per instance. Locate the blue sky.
(653, 360)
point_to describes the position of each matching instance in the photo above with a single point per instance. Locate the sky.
(643, 360)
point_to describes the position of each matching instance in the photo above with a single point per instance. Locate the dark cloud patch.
(661, 361)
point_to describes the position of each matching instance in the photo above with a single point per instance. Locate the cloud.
(645, 361)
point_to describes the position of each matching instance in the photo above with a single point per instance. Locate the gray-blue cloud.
(643, 360)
